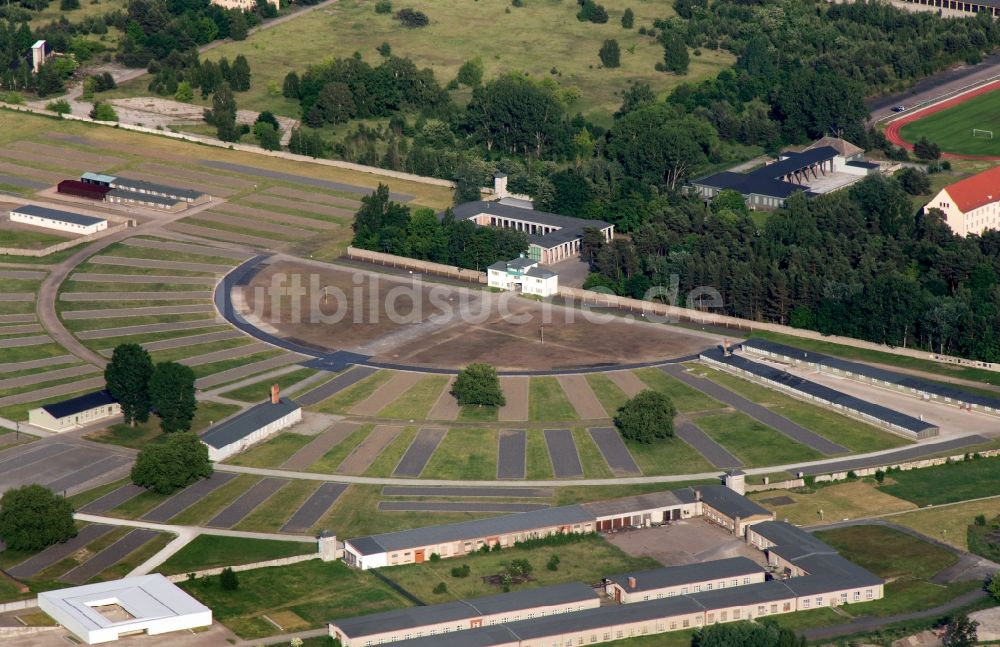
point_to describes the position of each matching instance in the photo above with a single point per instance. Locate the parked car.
(898, 108)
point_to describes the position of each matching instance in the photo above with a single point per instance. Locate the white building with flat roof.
(106, 611)
(523, 275)
(77, 223)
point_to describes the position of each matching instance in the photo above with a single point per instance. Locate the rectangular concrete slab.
(705, 445)
(46, 376)
(415, 459)
(187, 248)
(313, 196)
(21, 329)
(628, 382)
(228, 353)
(160, 264)
(457, 506)
(247, 369)
(511, 454)
(298, 179)
(110, 556)
(783, 425)
(200, 177)
(117, 313)
(314, 508)
(336, 385)
(21, 318)
(582, 397)
(617, 455)
(113, 499)
(91, 277)
(72, 482)
(471, 491)
(384, 395)
(28, 275)
(446, 407)
(53, 554)
(17, 296)
(122, 331)
(192, 340)
(294, 233)
(11, 367)
(208, 232)
(263, 215)
(187, 497)
(55, 467)
(282, 204)
(21, 342)
(260, 492)
(365, 453)
(515, 389)
(53, 391)
(179, 295)
(21, 456)
(320, 445)
(562, 453)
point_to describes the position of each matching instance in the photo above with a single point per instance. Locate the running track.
(892, 130)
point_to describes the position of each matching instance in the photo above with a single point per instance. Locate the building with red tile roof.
(972, 205)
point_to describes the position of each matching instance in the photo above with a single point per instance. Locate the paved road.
(705, 445)
(419, 452)
(511, 454)
(617, 455)
(783, 425)
(314, 507)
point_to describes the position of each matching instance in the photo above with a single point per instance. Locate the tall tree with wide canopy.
(33, 517)
(171, 392)
(127, 380)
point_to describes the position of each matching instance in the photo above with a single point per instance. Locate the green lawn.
(350, 396)
(142, 434)
(316, 592)
(607, 392)
(25, 353)
(591, 458)
(273, 452)
(215, 501)
(218, 367)
(127, 251)
(947, 483)
(29, 239)
(273, 513)
(466, 454)
(98, 345)
(386, 462)
(853, 434)
(951, 129)
(260, 391)
(79, 325)
(538, 466)
(547, 401)
(331, 460)
(8, 286)
(471, 413)
(983, 540)
(416, 402)
(586, 560)
(668, 456)
(210, 551)
(753, 443)
(684, 397)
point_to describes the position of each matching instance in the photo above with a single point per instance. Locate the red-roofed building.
(972, 205)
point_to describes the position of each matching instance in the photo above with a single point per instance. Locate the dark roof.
(660, 578)
(482, 637)
(601, 617)
(767, 179)
(243, 424)
(732, 596)
(442, 534)
(828, 573)
(79, 404)
(56, 214)
(906, 381)
(794, 541)
(82, 189)
(400, 619)
(632, 504)
(730, 503)
(521, 263)
(860, 164)
(569, 228)
(142, 197)
(500, 266)
(540, 273)
(820, 391)
(797, 161)
(158, 188)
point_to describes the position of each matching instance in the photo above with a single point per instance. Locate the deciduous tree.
(174, 464)
(478, 384)
(127, 380)
(33, 517)
(647, 417)
(171, 392)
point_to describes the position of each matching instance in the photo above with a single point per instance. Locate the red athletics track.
(892, 130)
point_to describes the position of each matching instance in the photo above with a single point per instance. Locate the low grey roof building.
(672, 576)
(246, 428)
(58, 215)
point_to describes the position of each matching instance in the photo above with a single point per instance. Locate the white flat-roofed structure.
(523, 275)
(104, 612)
(77, 223)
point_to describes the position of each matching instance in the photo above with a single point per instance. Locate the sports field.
(951, 128)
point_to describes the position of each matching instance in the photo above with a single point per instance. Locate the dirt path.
(628, 382)
(516, 391)
(386, 394)
(365, 454)
(446, 407)
(582, 397)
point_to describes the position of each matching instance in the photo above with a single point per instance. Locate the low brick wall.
(777, 485)
(19, 605)
(423, 267)
(909, 465)
(284, 561)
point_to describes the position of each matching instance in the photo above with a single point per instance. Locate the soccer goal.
(982, 134)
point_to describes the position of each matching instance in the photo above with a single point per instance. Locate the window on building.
(686, 623)
(736, 614)
(746, 580)
(805, 603)
(819, 601)
(869, 594)
(857, 595)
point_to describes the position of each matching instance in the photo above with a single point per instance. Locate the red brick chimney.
(631, 582)
(275, 394)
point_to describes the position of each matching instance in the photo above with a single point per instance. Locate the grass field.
(333, 458)
(314, 591)
(209, 551)
(466, 454)
(948, 523)
(147, 432)
(753, 443)
(260, 391)
(951, 129)
(670, 456)
(352, 395)
(273, 452)
(417, 401)
(847, 500)
(28, 238)
(547, 401)
(543, 39)
(684, 397)
(946, 483)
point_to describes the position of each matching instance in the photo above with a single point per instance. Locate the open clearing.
(951, 128)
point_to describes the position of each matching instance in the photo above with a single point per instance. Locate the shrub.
(478, 384)
(385, 49)
(69, 5)
(610, 53)
(647, 417)
(228, 580)
(980, 519)
(383, 6)
(461, 571)
(103, 112)
(440, 588)
(880, 476)
(60, 106)
(471, 73)
(435, 557)
(926, 150)
(553, 564)
(628, 18)
(412, 18)
(517, 3)
(852, 475)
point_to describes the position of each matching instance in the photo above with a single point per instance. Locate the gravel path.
(419, 452)
(320, 445)
(616, 454)
(446, 407)
(563, 454)
(219, 234)
(17, 296)
(247, 369)
(516, 391)
(705, 445)
(183, 295)
(511, 454)
(582, 397)
(459, 491)
(19, 342)
(11, 367)
(365, 454)
(105, 333)
(783, 425)
(386, 394)
(314, 508)
(22, 329)
(336, 385)
(628, 382)
(158, 264)
(457, 506)
(53, 391)
(256, 225)
(57, 552)
(116, 313)
(89, 277)
(113, 499)
(247, 503)
(29, 275)
(46, 376)
(228, 353)
(24, 318)
(298, 179)
(243, 211)
(187, 248)
(110, 556)
(187, 497)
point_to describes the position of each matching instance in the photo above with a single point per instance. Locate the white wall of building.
(41, 418)
(48, 223)
(257, 436)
